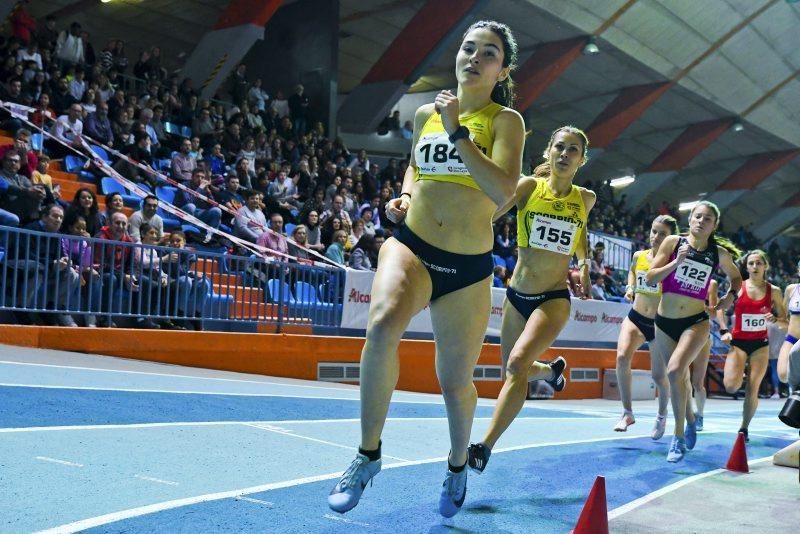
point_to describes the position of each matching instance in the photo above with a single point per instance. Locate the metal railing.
(138, 285)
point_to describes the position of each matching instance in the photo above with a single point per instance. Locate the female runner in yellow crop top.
(466, 162)
(551, 227)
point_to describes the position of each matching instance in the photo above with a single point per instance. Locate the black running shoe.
(558, 365)
(746, 437)
(478, 456)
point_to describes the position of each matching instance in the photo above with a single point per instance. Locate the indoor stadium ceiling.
(728, 58)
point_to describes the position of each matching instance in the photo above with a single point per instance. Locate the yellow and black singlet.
(551, 223)
(437, 158)
(640, 269)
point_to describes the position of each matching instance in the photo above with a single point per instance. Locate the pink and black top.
(693, 275)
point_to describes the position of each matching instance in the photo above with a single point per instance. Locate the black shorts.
(526, 303)
(749, 346)
(449, 271)
(675, 327)
(645, 325)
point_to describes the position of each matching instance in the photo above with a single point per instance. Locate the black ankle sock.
(372, 455)
(454, 469)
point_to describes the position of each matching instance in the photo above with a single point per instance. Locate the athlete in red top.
(754, 308)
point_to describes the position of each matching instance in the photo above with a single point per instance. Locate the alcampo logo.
(585, 317)
(357, 296)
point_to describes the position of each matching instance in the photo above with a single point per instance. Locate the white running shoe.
(624, 422)
(659, 427)
(347, 492)
(454, 490)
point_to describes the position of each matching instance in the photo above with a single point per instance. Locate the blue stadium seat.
(73, 163)
(278, 289)
(109, 185)
(166, 194)
(307, 295)
(499, 261)
(37, 142)
(172, 128)
(100, 151)
(289, 228)
(186, 131)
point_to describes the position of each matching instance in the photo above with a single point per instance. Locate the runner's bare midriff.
(452, 217)
(538, 271)
(680, 306)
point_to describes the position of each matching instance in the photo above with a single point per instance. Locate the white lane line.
(287, 432)
(177, 503)
(345, 520)
(625, 508)
(257, 501)
(281, 422)
(57, 461)
(157, 480)
(170, 375)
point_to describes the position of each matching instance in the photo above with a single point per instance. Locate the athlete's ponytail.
(668, 220)
(503, 92)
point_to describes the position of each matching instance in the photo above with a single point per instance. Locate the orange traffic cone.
(594, 516)
(738, 459)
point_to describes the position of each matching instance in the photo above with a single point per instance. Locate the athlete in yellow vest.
(551, 219)
(466, 162)
(638, 327)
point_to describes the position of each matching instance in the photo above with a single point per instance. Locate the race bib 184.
(552, 234)
(435, 154)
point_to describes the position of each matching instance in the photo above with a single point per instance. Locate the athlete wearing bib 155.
(550, 223)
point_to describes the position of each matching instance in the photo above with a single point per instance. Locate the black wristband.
(407, 194)
(462, 132)
(723, 331)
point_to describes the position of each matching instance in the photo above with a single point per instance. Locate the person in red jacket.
(757, 301)
(22, 23)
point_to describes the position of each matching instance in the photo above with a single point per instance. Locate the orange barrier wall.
(287, 355)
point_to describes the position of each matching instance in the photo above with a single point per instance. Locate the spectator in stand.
(30, 53)
(115, 264)
(183, 163)
(43, 113)
(505, 244)
(500, 276)
(336, 210)
(152, 280)
(335, 251)
(276, 239)
(361, 160)
(313, 235)
(158, 127)
(280, 105)
(200, 208)
(232, 142)
(257, 96)
(20, 199)
(121, 129)
(79, 251)
(599, 287)
(69, 47)
(248, 152)
(146, 118)
(89, 57)
(47, 35)
(250, 221)
(146, 215)
(363, 253)
(84, 204)
(230, 197)
(114, 204)
(237, 84)
(246, 178)
(407, 131)
(299, 249)
(203, 125)
(188, 289)
(22, 145)
(77, 85)
(298, 109)
(98, 127)
(61, 98)
(68, 129)
(140, 153)
(216, 160)
(23, 25)
(53, 266)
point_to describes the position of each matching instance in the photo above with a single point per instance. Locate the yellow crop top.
(437, 158)
(640, 269)
(550, 223)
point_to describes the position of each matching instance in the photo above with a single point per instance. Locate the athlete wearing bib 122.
(690, 279)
